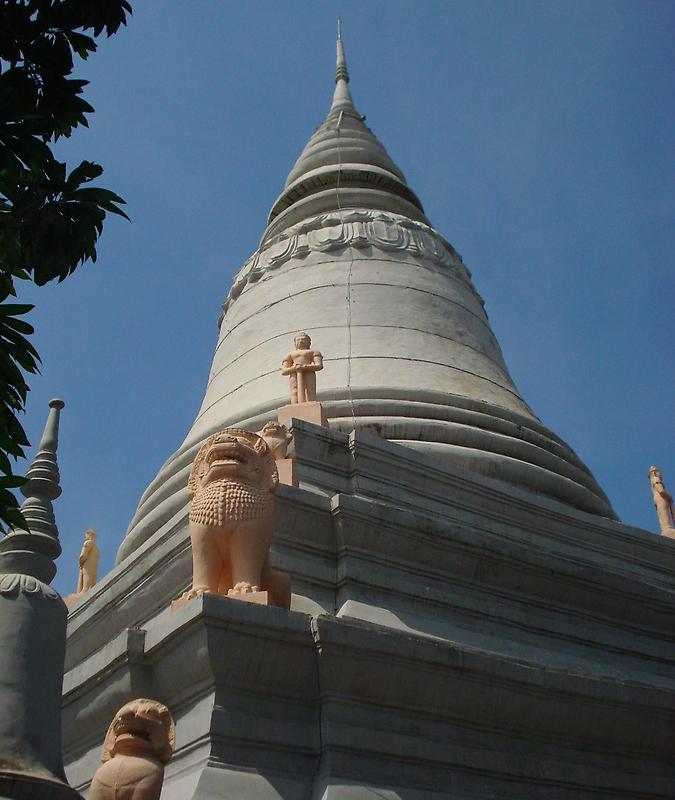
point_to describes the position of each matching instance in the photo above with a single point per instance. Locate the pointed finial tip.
(56, 403)
(341, 73)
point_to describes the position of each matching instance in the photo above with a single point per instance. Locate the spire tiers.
(342, 166)
(43, 475)
(342, 99)
(33, 553)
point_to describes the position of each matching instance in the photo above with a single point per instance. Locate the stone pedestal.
(444, 640)
(287, 472)
(308, 412)
(258, 598)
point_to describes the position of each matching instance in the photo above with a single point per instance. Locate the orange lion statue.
(232, 486)
(139, 742)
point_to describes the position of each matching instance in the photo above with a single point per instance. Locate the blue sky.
(538, 135)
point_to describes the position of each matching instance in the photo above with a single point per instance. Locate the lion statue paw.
(243, 587)
(196, 591)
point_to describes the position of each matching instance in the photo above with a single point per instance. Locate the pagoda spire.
(343, 165)
(33, 637)
(43, 480)
(33, 552)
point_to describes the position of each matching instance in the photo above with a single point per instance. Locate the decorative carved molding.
(354, 228)
(14, 584)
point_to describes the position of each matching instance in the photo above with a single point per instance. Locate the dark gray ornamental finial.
(34, 553)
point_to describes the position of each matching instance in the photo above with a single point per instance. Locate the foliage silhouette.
(50, 219)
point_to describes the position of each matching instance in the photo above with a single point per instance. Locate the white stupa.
(467, 617)
(350, 257)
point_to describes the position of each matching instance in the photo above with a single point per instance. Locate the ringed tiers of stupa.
(350, 257)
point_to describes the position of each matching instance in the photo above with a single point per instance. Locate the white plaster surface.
(392, 308)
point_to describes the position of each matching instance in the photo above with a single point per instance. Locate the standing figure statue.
(663, 503)
(301, 366)
(89, 555)
(88, 567)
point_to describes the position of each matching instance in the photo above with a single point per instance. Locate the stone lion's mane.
(226, 500)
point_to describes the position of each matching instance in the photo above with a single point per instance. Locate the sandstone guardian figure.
(301, 366)
(663, 502)
(139, 742)
(88, 565)
(232, 485)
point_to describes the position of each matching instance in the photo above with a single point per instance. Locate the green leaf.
(81, 44)
(87, 171)
(14, 518)
(14, 309)
(49, 223)
(11, 481)
(5, 465)
(20, 325)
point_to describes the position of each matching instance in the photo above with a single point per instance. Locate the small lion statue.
(139, 742)
(278, 437)
(232, 485)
